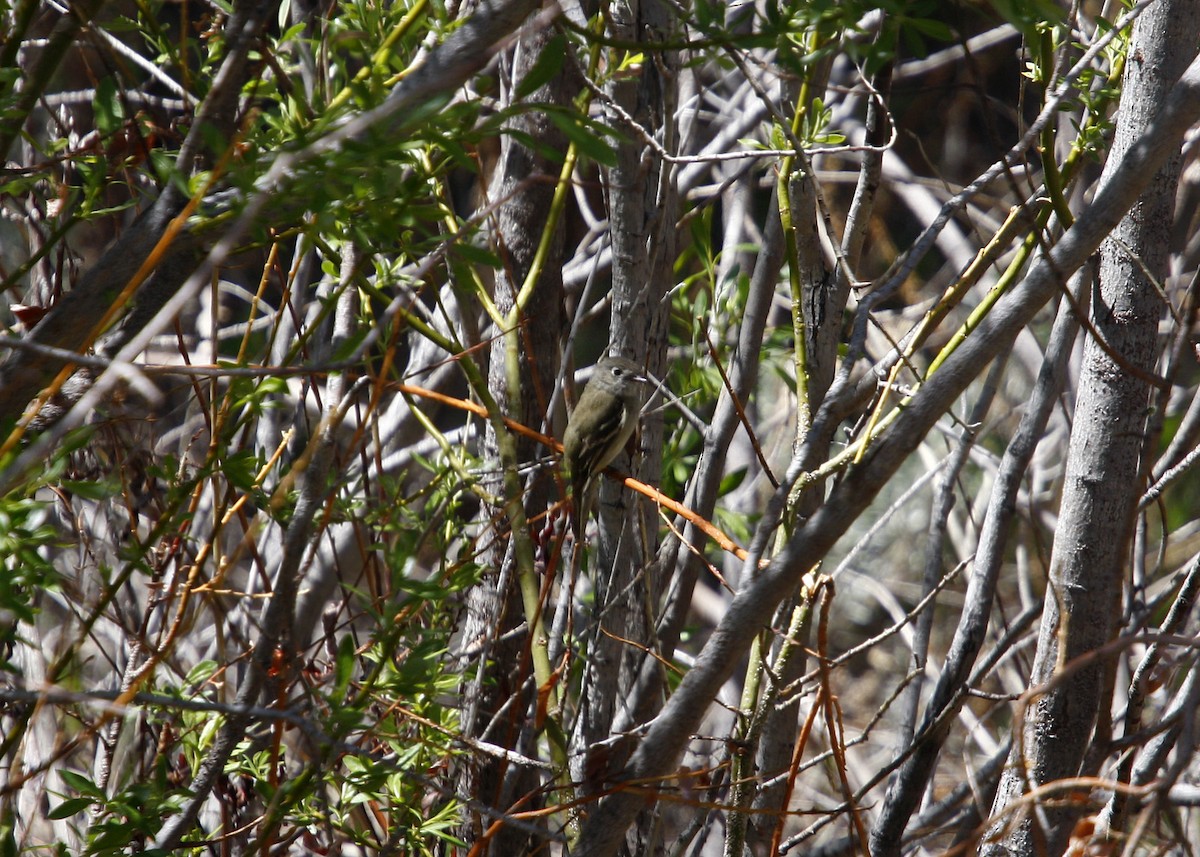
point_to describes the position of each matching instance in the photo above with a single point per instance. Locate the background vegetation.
(298, 295)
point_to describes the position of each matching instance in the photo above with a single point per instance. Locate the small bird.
(600, 426)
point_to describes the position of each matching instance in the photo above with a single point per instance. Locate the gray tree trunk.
(494, 606)
(823, 300)
(642, 207)
(1104, 476)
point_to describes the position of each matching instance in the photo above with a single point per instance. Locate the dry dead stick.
(706, 527)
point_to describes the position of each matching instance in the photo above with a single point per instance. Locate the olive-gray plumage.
(600, 426)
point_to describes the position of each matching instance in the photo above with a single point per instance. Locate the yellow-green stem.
(786, 219)
(379, 58)
(557, 204)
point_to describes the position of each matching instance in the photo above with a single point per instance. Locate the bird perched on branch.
(600, 426)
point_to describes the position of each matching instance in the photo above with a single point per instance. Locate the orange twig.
(662, 500)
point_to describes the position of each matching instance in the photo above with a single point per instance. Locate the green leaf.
(350, 345)
(8, 840)
(1027, 15)
(731, 481)
(89, 490)
(779, 140)
(107, 106)
(241, 469)
(20, 184)
(477, 255)
(69, 807)
(346, 657)
(585, 139)
(933, 29)
(201, 672)
(547, 65)
(82, 784)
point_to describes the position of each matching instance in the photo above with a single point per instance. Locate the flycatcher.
(600, 426)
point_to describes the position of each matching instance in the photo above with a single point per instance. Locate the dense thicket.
(904, 556)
